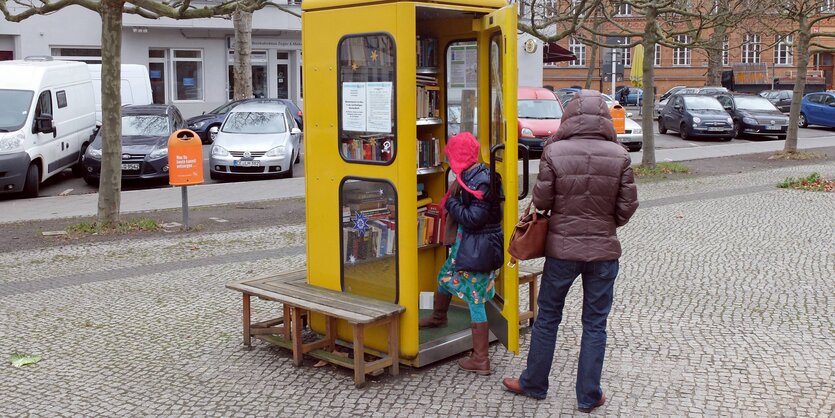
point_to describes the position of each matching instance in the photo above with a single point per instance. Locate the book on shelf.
(427, 103)
(428, 152)
(430, 225)
(368, 147)
(427, 52)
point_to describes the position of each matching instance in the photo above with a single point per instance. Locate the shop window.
(462, 88)
(88, 55)
(188, 74)
(258, 62)
(369, 238)
(366, 94)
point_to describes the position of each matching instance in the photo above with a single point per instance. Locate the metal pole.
(614, 77)
(185, 206)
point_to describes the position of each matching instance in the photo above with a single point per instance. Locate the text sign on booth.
(185, 158)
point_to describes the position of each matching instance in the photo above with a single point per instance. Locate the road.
(65, 183)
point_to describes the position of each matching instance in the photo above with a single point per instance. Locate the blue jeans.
(598, 290)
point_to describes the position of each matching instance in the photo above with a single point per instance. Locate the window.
(624, 10)
(157, 73)
(726, 48)
(61, 98)
(147, 125)
(366, 98)
(626, 53)
(783, 50)
(681, 55)
(88, 55)
(751, 48)
(462, 92)
(657, 55)
(550, 8)
(188, 74)
(258, 63)
(827, 6)
(579, 50)
(44, 107)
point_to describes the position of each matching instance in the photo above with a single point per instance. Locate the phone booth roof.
(308, 5)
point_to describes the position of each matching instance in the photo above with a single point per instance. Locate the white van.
(135, 86)
(47, 112)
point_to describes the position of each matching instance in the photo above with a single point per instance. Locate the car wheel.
(289, 173)
(298, 158)
(213, 130)
(661, 128)
(737, 131)
(635, 148)
(92, 181)
(728, 138)
(802, 122)
(215, 176)
(78, 168)
(33, 181)
(781, 137)
(683, 131)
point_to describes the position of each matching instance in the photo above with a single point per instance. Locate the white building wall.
(529, 63)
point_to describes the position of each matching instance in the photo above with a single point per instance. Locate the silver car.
(632, 137)
(256, 139)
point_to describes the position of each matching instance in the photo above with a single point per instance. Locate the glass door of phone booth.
(387, 84)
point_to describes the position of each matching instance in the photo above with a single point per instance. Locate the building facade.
(189, 61)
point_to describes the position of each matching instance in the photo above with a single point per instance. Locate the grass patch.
(811, 183)
(660, 169)
(125, 227)
(797, 156)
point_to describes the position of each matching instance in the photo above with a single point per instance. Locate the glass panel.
(76, 52)
(156, 71)
(189, 79)
(259, 82)
(187, 54)
(497, 120)
(282, 55)
(369, 239)
(366, 98)
(156, 53)
(462, 88)
(283, 82)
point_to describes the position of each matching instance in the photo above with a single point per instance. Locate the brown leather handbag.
(528, 240)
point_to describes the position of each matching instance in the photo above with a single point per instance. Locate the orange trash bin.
(185, 158)
(618, 118)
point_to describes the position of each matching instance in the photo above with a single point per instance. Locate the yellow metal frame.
(324, 23)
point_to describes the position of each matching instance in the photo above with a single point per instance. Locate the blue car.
(817, 109)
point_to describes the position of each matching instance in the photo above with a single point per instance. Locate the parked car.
(754, 115)
(632, 137)
(145, 132)
(712, 90)
(565, 94)
(696, 116)
(634, 97)
(539, 115)
(47, 113)
(781, 99)
(670, 92)
(208, 124)
(817, 109)
(256, 138)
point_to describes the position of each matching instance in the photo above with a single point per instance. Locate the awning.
(552, 53)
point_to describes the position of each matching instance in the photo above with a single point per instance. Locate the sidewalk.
(224, 193)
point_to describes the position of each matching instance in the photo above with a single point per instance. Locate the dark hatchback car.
(781, 99)
(208, 124)
(696, 116)
(754, 115)
(145, 132)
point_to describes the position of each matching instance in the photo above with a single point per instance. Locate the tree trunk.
(648, 106)
(592, 62)
(110, 183)
(242, 20)
(714, 57)
(802, 56)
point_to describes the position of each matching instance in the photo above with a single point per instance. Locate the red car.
(539, 114)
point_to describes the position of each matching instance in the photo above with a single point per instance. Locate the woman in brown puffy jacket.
(585, 180)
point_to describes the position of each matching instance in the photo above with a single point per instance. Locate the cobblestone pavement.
(725, 305)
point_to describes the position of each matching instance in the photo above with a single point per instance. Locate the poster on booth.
(185, 158)
(366, 106)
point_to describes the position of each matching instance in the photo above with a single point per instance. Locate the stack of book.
(430, 225)
(368, 226)
(427, 52)
(428, 153)
(368, 147)
(427, 105)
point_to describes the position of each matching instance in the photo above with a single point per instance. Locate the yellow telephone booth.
(385, 84)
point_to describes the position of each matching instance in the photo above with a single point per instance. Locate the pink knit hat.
(462, 152)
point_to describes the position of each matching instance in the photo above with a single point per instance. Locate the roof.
(308, 5)
(260, 106)
(535, 93)
(153, 109)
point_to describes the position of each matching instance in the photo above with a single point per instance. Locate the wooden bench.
(299, 299)
(528, 276)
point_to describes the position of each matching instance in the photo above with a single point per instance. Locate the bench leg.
(287, 321)
(330, 333)
(296, 324)
(394, 346)
(359, 356)
(246, 319)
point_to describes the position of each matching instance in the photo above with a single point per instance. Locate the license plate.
(130, 167)
(248, 163)
(716, 129)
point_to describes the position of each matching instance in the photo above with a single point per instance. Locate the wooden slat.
(296, 325)
(337, 300)
(371, 366)
(359, 355)
(247, 316)
(284, 276)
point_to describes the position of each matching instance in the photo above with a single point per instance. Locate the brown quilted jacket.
(585, 179)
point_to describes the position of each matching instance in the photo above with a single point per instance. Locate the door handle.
(525, 152)
(493, 186)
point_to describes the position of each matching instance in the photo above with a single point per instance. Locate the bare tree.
(111, 12)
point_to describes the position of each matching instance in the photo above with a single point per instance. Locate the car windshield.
(14, 108)
(753, 103)
(255, 123)
(539, 109)
(769, 94)
(145, 125)
(225, 108)
(702, 103)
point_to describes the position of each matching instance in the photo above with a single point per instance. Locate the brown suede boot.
(438, 317)
(479, 361)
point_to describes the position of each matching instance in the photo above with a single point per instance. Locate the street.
(66, 183)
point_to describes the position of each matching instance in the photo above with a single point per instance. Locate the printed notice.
(379, 106)
(354, 107)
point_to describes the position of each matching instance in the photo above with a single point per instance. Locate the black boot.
(438, 317)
